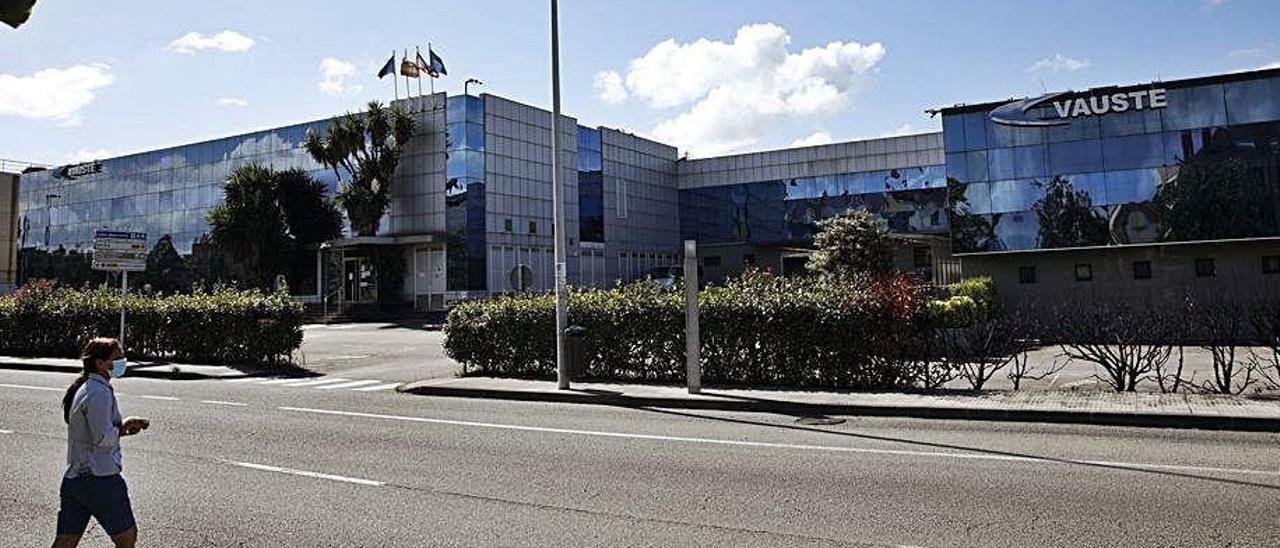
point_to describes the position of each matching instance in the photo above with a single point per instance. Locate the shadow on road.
(979, 450)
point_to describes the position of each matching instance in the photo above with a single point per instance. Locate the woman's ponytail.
(100, 348)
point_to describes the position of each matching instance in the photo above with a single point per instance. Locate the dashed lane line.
(26, 387)
(3, 431)
(317, 382)
(162, 398)
(345, 385)
(387, 386)
(228, 403)
(319, 475)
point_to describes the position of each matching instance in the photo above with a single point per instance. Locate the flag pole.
(433, 78)
(417, 54)
(407, 90)
(395, 82)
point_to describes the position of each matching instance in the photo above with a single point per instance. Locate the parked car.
(667, 276)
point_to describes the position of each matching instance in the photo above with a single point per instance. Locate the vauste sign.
(1067, 105)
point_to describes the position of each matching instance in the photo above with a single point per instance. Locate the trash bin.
(574, 352)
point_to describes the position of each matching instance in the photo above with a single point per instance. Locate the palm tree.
(367, 146)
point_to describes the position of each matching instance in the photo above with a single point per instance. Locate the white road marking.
(351, 384)
(220, 402)
(317, 382)
(279, 381)
(744, 443)
(387, 386)
(305, 473)
(2, 431)
(25, 387)
(165, 398)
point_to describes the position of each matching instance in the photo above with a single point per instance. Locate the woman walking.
(92, 486)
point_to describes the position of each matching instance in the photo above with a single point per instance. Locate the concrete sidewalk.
(1099, 408)
(155, 370)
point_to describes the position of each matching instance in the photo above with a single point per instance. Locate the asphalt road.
(246, 464)
(391, 351)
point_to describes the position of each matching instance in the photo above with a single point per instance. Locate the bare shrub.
(1222, 327)
(983, 349)
(1126, 341)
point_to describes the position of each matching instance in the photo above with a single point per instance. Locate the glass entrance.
(360, 285)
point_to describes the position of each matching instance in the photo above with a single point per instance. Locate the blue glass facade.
(786, 212)
(590, 186)
(464, 194)
(1203, 167)
(162, 192)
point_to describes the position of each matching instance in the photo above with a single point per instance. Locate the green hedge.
(759, 330)
(962, 304)
(221, 327)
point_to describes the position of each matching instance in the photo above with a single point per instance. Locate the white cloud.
(817, 138)
(733, 93)
(1214, 3)
(1058, 63)
(335, 73)
(904, 129)
(1250, 52)
(233, 102)
(1272, 65)
(609, 87)
(53, 94)
(88, 155)
(227, 40)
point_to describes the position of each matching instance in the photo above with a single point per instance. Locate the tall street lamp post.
(557, 205)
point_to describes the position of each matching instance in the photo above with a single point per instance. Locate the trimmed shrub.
(221, 327)
(962, 304)
(759, 330)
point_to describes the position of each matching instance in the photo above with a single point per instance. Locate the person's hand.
(133, 425)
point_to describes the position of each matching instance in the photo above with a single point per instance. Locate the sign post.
(122, 252)
(692, 349)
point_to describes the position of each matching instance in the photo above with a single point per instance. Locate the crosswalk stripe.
(351, 384)
(378, 387)
(317, 382)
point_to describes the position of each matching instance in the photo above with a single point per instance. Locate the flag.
(437, 64)
(389, 68)
(422, 64)
(408, 69)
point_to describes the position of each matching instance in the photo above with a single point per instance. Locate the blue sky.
(102, 78)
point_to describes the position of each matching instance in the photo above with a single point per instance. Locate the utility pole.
(557, 206)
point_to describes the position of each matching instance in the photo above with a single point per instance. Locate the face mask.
(118, 367)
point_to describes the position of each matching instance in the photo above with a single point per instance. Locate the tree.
(268, 218)
(852, 243)
(969, 231)
(15, 12)
(1216, 196)
(367, 147)
(166, 271)
(249, 224)
(1067, 218)
(309, 213)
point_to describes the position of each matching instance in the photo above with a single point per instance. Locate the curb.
(178, 375)
(1141, 420)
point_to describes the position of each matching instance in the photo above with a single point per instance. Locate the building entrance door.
(428, 279)
(360, 285)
